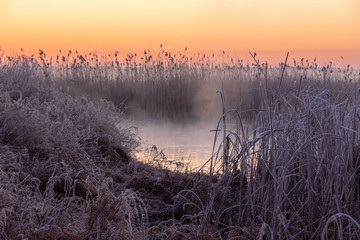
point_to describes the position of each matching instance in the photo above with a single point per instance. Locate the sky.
(200, 25)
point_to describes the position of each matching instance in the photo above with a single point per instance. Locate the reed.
(167, 85)
(288, 170)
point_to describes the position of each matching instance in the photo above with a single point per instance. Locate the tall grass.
(295, 172)
(66, 170)
(59, 158)
(168, 85)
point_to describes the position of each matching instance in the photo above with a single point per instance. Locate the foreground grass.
(66, 169)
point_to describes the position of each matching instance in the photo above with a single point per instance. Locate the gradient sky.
(201, 25)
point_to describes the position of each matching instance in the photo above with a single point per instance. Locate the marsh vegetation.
(287, 168)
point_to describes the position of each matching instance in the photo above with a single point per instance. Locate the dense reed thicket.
(166, 85)
(67, 171)
(295, 174)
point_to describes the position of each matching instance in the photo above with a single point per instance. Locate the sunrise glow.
(200, 25)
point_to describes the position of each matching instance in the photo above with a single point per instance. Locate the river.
(187, 142)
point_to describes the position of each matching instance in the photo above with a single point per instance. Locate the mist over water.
(190, 139)
(187, 141)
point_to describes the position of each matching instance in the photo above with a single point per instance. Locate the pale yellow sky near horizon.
(200, 25)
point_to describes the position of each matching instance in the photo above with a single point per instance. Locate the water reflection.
(191, 143)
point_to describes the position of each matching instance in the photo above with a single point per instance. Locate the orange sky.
(201, 25)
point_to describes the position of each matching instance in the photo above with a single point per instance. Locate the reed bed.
(67, 170)
(295, 173)
(169, 85)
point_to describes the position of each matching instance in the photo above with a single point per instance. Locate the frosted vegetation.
(67, 169)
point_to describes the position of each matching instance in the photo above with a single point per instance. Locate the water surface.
(190, 142)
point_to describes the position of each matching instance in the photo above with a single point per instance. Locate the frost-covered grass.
(59, 158)
(67, 171)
